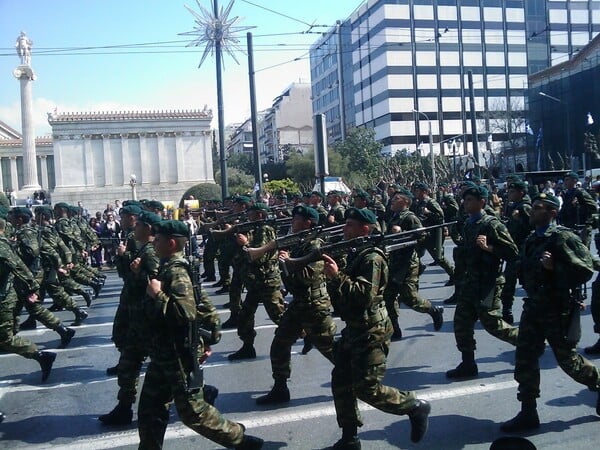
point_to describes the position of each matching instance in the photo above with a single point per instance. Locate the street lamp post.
(558, 100)
(133, 184)
(430, 147)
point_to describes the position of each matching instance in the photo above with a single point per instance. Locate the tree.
(301, 169)
(362, 153)
(243, 162)
(202, 192)
(238, 182)
(286, 186)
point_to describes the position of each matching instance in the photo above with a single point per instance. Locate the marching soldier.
(335, 216)
(578, 209)
(361, 352)
(310, 309)
(171, 309)
(404, 268)
(554, 261)
(316, 201)
(486, 242)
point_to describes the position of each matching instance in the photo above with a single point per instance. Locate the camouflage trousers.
(510, 285)
(54, 287)
(480, 300)
(9, 341)
(270, 296)
(39, 313)
(435, 246)
(359, 368)
(223, 262)
(537, 326)
(120, 326)
(319, 328)
(405, 291)
(128, 371)
(82, 274)
(208, 258)
(595, 304)
(235, 290)
(165, 383)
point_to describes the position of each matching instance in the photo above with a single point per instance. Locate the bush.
(202, 192)
(4, 200)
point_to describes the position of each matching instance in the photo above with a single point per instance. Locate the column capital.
(24, 72)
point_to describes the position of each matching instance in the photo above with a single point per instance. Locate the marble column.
(1, 179)
(162, 158)
(24, 73)
(14, 175)
(108, 176)
(44, 164)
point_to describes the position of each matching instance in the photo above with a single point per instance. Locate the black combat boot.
(451, 300)
(526, 420)
(112, 371)
(46, 359)
(223, 290)
(121, 415)
(86, 297)
(29, 324)
(450, 281)
(397, 335)
(422, 268)
(437, 314)
(250, 443)
(466, 369)
(226, 305)
(218, 283)
(507, 314)
(80, 316)
(594, 349)
(279, 394)
(349, 440)
(210, 394)
(66, 334)
(246, 352)
(419, 420)
(96, 286)
(230, 323)
(308, 345)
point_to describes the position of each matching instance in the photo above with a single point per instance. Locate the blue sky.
(164, 76)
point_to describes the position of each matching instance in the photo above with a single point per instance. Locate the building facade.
(411, 58)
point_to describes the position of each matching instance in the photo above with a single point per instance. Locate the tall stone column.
(24, 73)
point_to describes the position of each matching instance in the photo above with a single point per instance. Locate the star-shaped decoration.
(214, 27)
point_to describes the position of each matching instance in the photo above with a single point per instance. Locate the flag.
(528, 130)
(590, 119)
(540, 138)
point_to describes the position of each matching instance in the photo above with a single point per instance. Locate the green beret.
(319, 194)
(174, 228)
(307, 212)
(571, 175)
(475, 179)
(405, 193)
(45, 210)
(62, 205)
(548, 199)
(149, 218)
(133, 203)
(362, 194)
(306, 195)
(263, 207)
(242, 199)
(334, 192)
(21, 211)
(476, 191)
(154, 204)
(518, 185)
(132, 210)
(468, 184)
(73, 209)
(362, 215)
(421, 186)
(143, 201)
(485, 193)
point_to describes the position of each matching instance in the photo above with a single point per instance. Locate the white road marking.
(178, 430)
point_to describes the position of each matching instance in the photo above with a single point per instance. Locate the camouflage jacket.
(401, 260)
(571, 215)
(360, 291)
(308, 285)
(123, 261)
(337, 212)
(148, 269)
(517, 222)
(450, 207)
(482, 264)
(266, 268)
(68, 234)
(573, 265)
(14, 272)
(28, 245)
(87, 233)
(54, 252)
(435, 216)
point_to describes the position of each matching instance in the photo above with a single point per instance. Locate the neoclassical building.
(91, 157)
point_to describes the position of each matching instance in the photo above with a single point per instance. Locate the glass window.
(427, 81)
(559, 38)
(558, 16)
(470, 13)
(492, 14)
(400, 81)
(449, 59)
(494, 59)
(496, 82)
(579, 16)
(423, 12)
(515, 15)
(516, 37)
(446, 12)
(494, 37)
(579, 38)
(451, 104)
(426, 58)
(450, 81)
(517, 59)
(472, 59)
(471, 36)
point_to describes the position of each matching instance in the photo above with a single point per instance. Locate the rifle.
(290, 240)
(389, 243)
(245, 227)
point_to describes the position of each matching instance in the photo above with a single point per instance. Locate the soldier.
(360, 354)
(517, 222)
(595, 303)
(262, 280)
(144, 265)
(55, 258)
(486, 242)
(171, 309)
(335, 216)
(28, 249)
(578, 209)
(310, 309)
(227, 247)
(316, 200)
(404, 269)
(15, 276)
(554, 261)
(430, 213)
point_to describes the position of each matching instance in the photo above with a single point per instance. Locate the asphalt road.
(62, 413)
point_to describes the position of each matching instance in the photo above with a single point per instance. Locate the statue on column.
(23, 46)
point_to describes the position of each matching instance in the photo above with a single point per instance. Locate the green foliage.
(276, 171)
(301, 168)
(279, 186)
(237, 181)
(362, 153)
(4, 200)
(244, 162)
(203, 192)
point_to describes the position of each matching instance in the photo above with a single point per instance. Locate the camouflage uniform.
(208, 257)
(576, 213)
(170, 315)
(129, 296)
(310, 310)
(479, 295)
(548, 307)
(404, 273)
(337, 212)
(360, 354)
